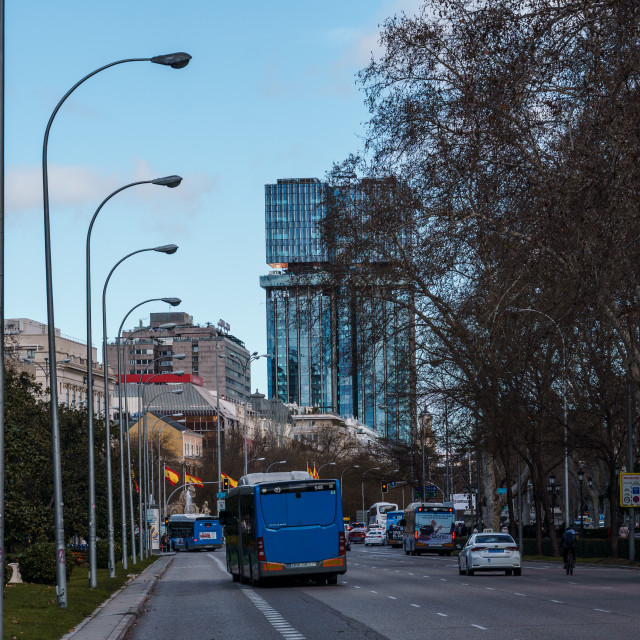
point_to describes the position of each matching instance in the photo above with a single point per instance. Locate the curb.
(114, 617)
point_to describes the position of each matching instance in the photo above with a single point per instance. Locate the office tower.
(343, 351)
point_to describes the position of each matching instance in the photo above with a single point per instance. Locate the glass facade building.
(343, 352)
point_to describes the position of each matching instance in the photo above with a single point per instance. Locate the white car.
(490, 552)
(375, 535)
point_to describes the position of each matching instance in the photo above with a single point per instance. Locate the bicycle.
(571, 563)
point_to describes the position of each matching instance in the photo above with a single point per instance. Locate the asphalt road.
(386, 594)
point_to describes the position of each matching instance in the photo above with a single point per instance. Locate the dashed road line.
(603, 610)
(444, 615)
(489, 588)
(558, 601)
(358, 587)
(515, 593)
(392, 597)
(477, 626)
(417, 606)
(373, 592)
(273, 617)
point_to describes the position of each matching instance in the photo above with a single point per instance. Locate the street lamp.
(564, 408)
(245, 365)
(363, 475)
(169, 181)
(173, 302)
(554, 489)
(145, 546)
(278, 462)
(45, 369)
(355, 466)
(581, 480)
(256, 460)
(176, 61)
(326, 464)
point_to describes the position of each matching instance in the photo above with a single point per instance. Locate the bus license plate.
(207, 535)
(298, 565)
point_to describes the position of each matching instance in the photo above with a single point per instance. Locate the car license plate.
(298, 565)
(496, 550)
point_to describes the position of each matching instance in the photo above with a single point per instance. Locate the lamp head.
(174, 302)
(167, 248)
(552, 478)
(356, 466)
(178, 356)
(27, 360)
(168, 181)
(282, 462)
(177, 391)
(177, 373)
(65, 361)
(580, 475)
(255, 353)
(173, 60)
(177, 415)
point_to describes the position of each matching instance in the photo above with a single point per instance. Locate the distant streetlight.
(245, 365)
(355, 466)
(256, 460)
(278, 462)
(44, 369)
(326, 464)
(363, 475)
(173, 302)
(176, 61)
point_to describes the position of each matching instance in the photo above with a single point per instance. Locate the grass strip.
(31, 611)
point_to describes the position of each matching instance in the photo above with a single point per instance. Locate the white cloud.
(77, 187)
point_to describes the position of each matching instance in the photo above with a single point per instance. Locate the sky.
(270, 93)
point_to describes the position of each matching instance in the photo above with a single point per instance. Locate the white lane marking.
(425, 576)
(515, 593)
(412, 574)
(373, 592)
(572, 582)
(603, 610)
(272, 616)
(466, 584)
(489, 588)
(444, 615)
(558, 601)
(216, 559)
(392, 597)
(443, 580)
(358, 587)
(477, 626)
(417, 606)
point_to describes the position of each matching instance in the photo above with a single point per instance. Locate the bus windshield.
(298, 504)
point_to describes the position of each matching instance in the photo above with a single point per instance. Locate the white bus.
(378, 513)
(428, 527)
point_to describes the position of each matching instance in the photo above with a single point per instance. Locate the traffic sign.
(220, 505)
(221, 495)
(501, 491)
(393, 484)
(630, 490)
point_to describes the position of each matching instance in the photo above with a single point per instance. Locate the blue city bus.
(284, 524)
(395, 532)
(193, 531)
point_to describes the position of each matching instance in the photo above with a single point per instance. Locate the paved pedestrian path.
(112, 619)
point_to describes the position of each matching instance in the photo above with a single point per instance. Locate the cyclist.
(568, 544)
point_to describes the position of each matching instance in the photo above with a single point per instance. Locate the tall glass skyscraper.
(346, 352)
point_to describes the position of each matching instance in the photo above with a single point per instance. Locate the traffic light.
(225, 484)
(384, 487)
(166, 521)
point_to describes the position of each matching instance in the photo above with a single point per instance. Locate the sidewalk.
(112, 619)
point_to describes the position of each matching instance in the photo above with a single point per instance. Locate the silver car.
(490, 552)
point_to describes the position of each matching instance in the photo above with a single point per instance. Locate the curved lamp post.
(277, 462)
(44, 369)
(355, 466)
(174, 302)
(363, 475)
(145, 547)
(176, 61)
(170, 181)
(255, 460)
(245, 365)
(326, 464)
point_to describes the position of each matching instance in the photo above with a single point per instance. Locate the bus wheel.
(320, 580)
(332, 579)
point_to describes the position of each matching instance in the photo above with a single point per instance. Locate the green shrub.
(102, 553)
(38, 563)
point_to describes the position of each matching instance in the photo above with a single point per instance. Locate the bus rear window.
(298, 504)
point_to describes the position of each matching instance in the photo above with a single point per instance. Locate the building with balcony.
(27, 343)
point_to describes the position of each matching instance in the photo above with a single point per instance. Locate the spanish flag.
(171, 475)
(232, 482)
(193, 480)
(135, 482)
(315, 474)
